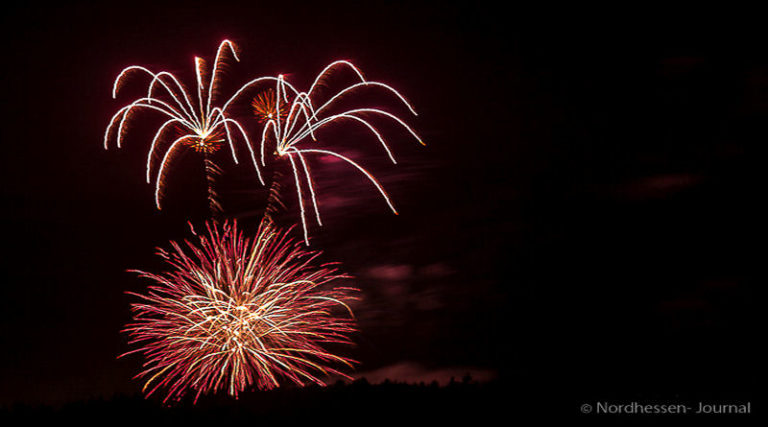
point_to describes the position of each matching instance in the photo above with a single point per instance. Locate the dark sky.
(585, 209)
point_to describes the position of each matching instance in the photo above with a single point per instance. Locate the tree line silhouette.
(358, 400)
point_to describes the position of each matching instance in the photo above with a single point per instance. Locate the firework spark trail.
(211, 172)
(198, 126)
(293, 131)
(274, 201)
(234, 312)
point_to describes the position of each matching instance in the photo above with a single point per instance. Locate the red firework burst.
(237, 312)
(207, 145)
(266, 107)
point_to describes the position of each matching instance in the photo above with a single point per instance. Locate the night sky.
(584, 212)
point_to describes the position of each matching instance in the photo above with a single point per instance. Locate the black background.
(583, 219)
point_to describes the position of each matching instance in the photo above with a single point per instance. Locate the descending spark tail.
(274, 202)
(211, 172)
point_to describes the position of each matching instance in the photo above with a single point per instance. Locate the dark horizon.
(583, 213)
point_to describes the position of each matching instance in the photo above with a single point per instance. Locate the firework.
(233, 312)
(200, 125)
(266, 107)
(291, 118)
